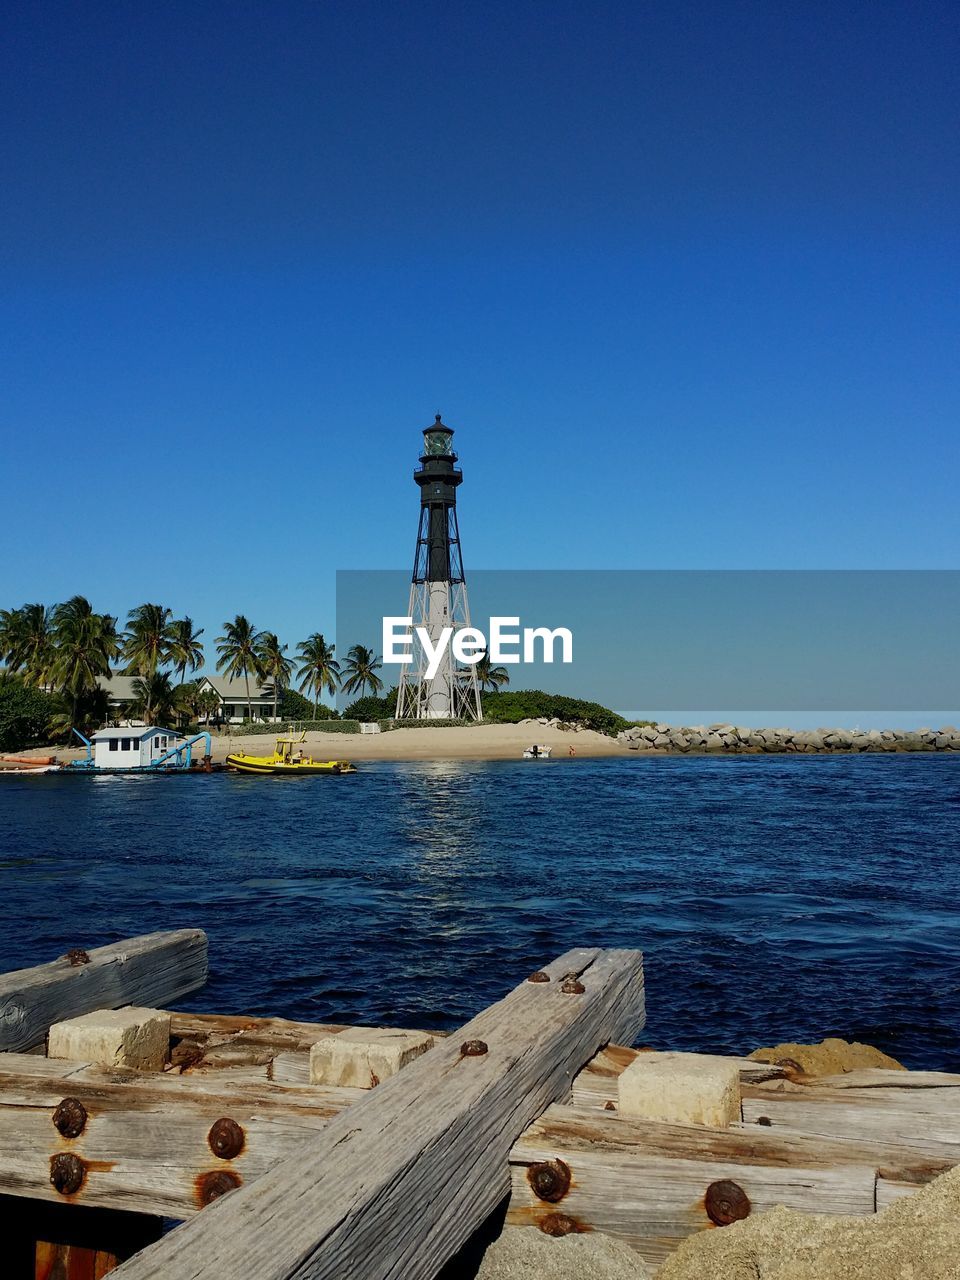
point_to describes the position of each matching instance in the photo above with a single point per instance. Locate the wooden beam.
(927, 1118)
(151, 970)
(396, 1184)
(647, 1182)
(144, 1141)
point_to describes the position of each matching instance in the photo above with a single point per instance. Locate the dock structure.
(245, 1131)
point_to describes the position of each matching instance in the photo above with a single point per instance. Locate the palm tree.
(489, 677)
(273, 664)
(238, 648)
(318, 668)
(362, 666)
(208, 704)
(154, 698)
(185, 649)
(85, 642)
(146, 645)
(26, 641)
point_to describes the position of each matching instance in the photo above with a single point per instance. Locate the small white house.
(131, 748)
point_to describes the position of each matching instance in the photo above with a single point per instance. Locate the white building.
(232, 694)
(131, 748)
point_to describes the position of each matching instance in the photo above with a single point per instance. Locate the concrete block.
(681, 1088)
(363, 1056)
(129, 1037)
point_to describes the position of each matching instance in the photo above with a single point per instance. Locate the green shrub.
(26, 715)
(372, 708)
(511, 707)
(407, 723)
(294, 706)
(295, 726)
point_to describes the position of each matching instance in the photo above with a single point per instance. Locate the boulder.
(915, 1238)
(520, 1253)
(830, 1057)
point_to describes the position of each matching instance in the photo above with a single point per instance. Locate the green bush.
(372, 708)
(296, 726)
(26, 715)
(407, 723)
(531, 704)
(294, 706)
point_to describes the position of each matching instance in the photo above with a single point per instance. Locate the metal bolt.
(539, 976)
(726, 1202)
(77, 955)
(67, 1172)
(789, 1064)
(473, 1049)
(572, 987)
(549, 1180)
(70, 1118)
(211, 1186)
(609, 1106)
(765, 1120)
(557, 1224)
(226, 1138)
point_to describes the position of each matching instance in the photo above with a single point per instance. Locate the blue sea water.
(775, 898)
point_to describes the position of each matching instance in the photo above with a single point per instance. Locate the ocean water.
(775, 898)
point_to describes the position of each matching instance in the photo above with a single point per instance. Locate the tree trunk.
(246, 676)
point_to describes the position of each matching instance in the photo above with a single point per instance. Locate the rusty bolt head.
(726, 1202)
(764, 1120)
(557, 1224)
(609, 1106)
(77, 955)
(572, 986)
(226, 1138)
(473, 1049)
(539, 976)
(789, 1064)
(67, 1172)
(211, 1186)
(549, 1180)
(70, 1118)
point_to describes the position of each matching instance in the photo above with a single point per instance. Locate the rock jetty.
(719, 739)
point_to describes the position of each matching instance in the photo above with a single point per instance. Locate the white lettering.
(434, 652)
(499, 637)
(396, 647)
(469, 645)
(549, 638)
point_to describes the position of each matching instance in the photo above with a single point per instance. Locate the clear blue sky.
(682, 276)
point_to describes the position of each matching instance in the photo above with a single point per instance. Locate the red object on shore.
(29, 762)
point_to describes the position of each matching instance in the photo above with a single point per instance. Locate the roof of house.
(137, 732)
(235, 690)
(118, 686)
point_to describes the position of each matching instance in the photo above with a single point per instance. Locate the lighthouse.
(438, 592)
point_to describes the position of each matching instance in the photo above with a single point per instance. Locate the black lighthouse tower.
(438, 593)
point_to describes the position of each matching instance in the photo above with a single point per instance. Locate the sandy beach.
(474, 742)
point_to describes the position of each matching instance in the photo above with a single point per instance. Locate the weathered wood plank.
(145, 1141)
(151, 970)
(596, 1084)
(918, 1118)
(646, 1182)
(880, 1078)
(394, 1186)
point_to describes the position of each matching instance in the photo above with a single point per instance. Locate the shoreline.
(508, 741)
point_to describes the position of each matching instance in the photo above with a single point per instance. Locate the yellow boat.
(288, 757)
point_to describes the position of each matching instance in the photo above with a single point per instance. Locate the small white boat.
(537, 752)
(26, 772)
